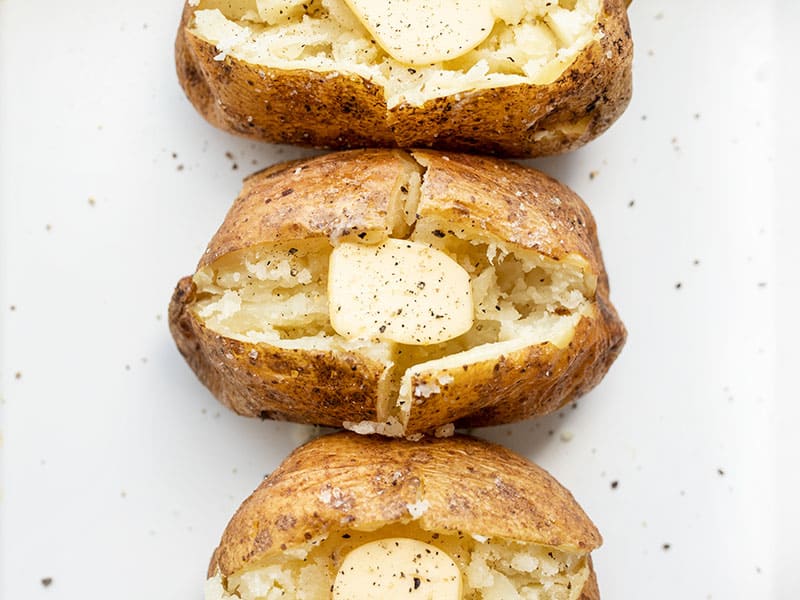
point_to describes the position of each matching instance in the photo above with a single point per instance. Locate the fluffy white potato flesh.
(423, 49)
(401, 291)
(397, 568)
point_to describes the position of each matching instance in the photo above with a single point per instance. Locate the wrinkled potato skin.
(346, 111)
(471, 486)
(328, 388)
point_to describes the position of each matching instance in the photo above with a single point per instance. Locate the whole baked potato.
(507, 77)
(358, 517)
(398, 292)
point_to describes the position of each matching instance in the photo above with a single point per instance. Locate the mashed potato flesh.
(277, 294)
(491, 569)
(531, 42)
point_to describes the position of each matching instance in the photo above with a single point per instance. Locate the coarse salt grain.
(418, 509)
(445, 431)
(426, 390)
(445, 379)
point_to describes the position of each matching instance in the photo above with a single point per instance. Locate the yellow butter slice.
(402, 291)
(397, 568)
(420, 32)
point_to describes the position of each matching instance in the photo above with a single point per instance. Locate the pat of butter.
(420, 32)
(397, 568)
(400, 290)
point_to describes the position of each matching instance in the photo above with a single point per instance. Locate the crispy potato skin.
(347, 193)
(346, 111)
(471, 486)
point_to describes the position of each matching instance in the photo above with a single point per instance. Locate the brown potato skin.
(346, 111)
(471, 485)
(480, 194)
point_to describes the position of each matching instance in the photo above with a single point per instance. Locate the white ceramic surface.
(119, 470)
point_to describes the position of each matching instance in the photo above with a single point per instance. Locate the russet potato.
(505, 314)
(345, 516)
(504, 77)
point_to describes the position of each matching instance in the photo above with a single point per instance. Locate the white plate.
(120, 470)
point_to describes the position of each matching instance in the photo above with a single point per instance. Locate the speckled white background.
(119, 470)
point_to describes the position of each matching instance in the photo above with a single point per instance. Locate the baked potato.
(397, 292)
(349, 516)
(499, 77)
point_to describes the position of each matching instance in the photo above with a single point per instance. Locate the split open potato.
(349, 516)
(399, 293)
(492, 76)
